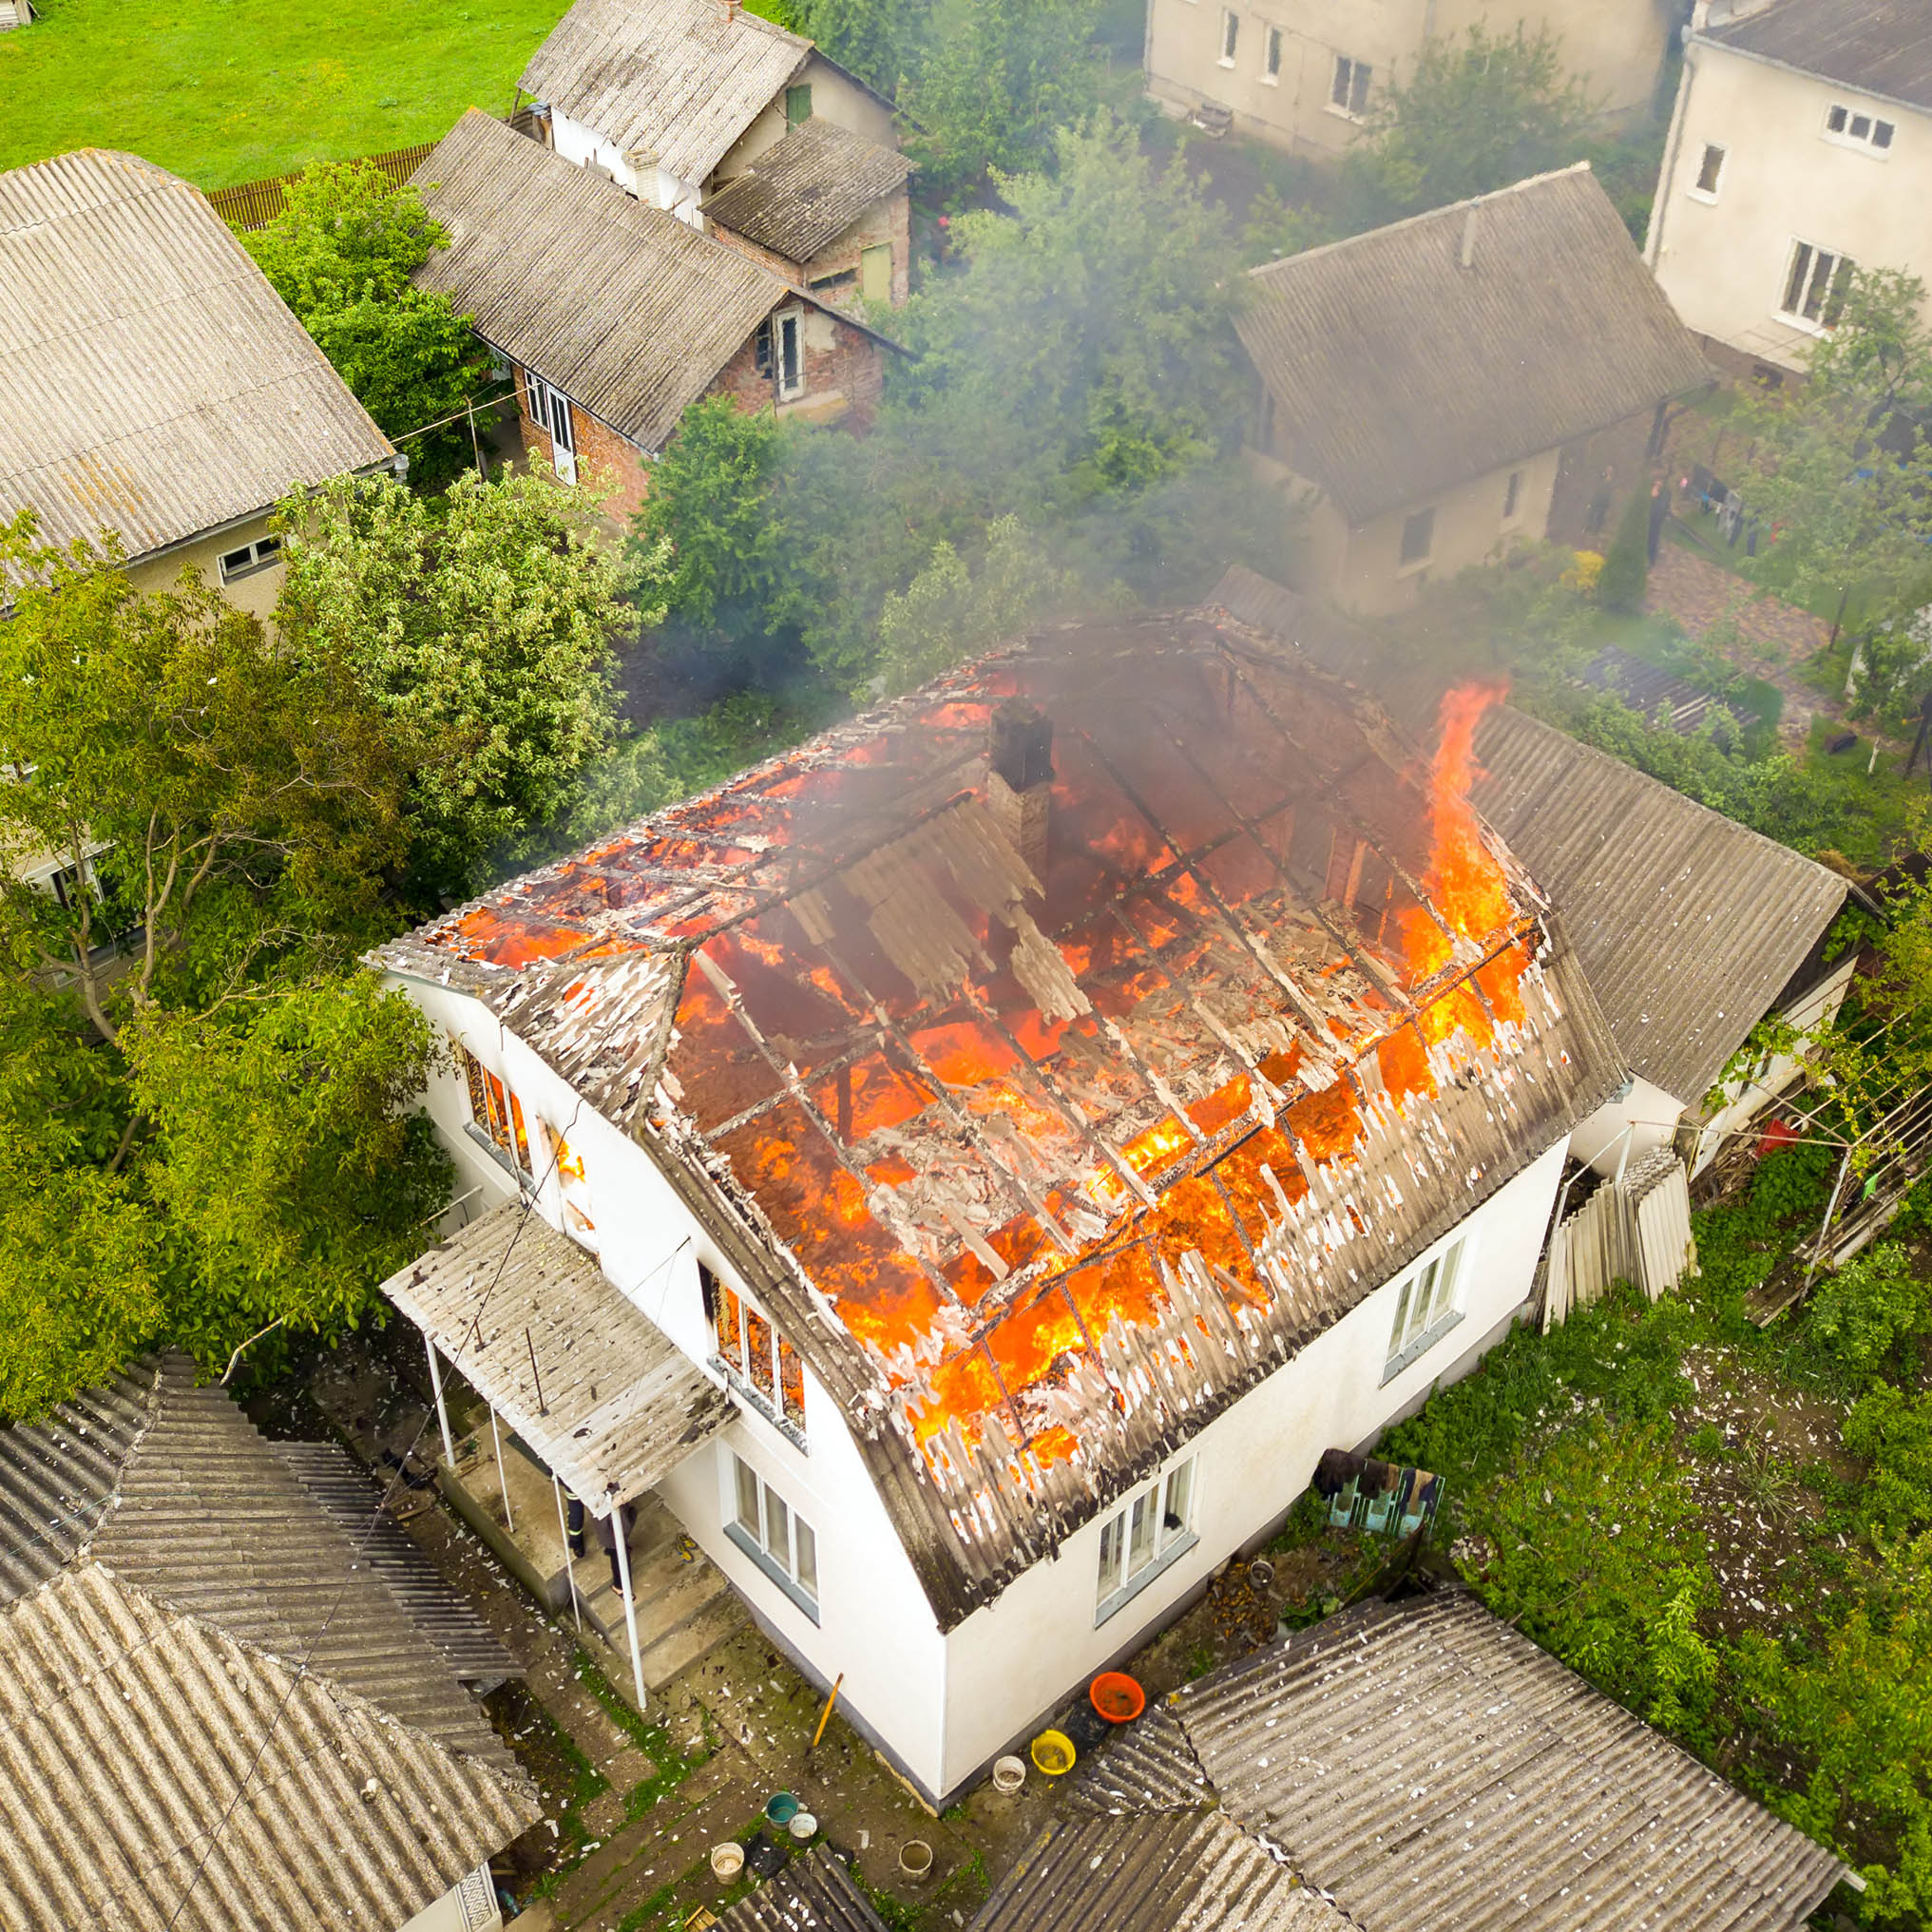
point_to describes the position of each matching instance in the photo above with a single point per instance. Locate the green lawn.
(223, 91)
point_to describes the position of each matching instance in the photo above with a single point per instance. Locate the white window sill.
(1406, 1358)
(1118, 1599)
(1708, 196)
(527, 1181)
(1863, 147)
(1416, 568)
(1271, 80)
(1801, 325)
(1225, 61)
(802, 1598)
(1343, 114)
(756, 1399)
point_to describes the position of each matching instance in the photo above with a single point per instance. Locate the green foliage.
(1276, 228)
(1859, 1315)
(480, 628)
(1626, 565)
(1473, 114)
(1892, 1431)
(340, 255)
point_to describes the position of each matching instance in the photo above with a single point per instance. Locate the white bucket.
(803, 1825)
(727, 1859)
(1009, 1773)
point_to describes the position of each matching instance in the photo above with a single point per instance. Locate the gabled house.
(1405, 1765)
(615, 317)
(1053, 1108)
(1427, 391)
(672, 99)
(1307, 75)
(1801, 148)
(239, 1698)
(152, 384)
(1689, 927)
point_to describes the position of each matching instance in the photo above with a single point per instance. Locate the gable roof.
(151, 381)
(804, 193)
(1882, 48)
(176, 1600)
(1397, 373)
(1041, 1181)
(1429, 1751)
(669, 82)
(1688, 923)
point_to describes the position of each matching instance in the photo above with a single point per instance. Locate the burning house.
(972, 1167)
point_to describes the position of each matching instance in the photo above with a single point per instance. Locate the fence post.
(1825, 1226)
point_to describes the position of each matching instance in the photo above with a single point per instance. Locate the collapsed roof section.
(1077, 1038)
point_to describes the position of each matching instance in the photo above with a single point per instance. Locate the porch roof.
(591, 1383)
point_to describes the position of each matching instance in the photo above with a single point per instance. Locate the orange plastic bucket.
(1116, 1697)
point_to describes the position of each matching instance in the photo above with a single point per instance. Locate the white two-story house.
(976, 1163)
(1801, 148)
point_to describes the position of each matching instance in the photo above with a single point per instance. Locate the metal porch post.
(442, 1412)
(630, 1608)
(503, 1480)
(563, 1538)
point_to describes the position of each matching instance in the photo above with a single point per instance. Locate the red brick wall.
(851, 366)
(886, 221)
(605, 460)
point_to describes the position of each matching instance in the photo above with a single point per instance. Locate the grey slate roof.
(670, 82)
(612, 1404)
(1688, 923)
(1881, 48)
(142, 1742)
(1425, 1764)
(151, 381)
(622, 307)
(1397, 373)
(813, 1893)
(801, 195)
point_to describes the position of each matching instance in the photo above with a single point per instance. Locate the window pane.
(797, 106)
(791, 1383)
(1860, 126)
(1274, 53)
(1418, 534)
(747, 1497)
(730, 1338)
(1180, 1490)
(1398, 1334)
(499, 1110)
(808, 1555)
(1881, 134)
(1841, 288)
(1358, 92)
(1230, 28)
(777, 1528)
(523, 1139)
(758, 1353)
(1706, 175)
(1819, 285)
(1338, 90)
(473, 1077)
(1835, 121)
(1423, 1309)
(787, 352)
(1110, 1554)
(1140, 1535)
(1794, 283)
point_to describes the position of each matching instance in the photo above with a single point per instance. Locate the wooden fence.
(253, 205)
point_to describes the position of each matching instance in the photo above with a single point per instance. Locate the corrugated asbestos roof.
(1396, 373)
(151, 381)
(1428, 1765)
(623, 308)
(129, 1729)
(800, 196)
(1184, 1871)
(1688, 923)
(1040, 1174)
(576, 1367)
(813, 1894)
(1878, 47)
(670, 82)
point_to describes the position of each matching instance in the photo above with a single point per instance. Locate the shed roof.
(1045, 1172)
(1878, 47)
(582, 1373)
(801, 195)
(1397, 373)
(812, 1894)
(1396, 1754)
(1688, 923)
(671, 84)
(151, 382)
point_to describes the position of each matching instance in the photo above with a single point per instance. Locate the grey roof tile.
(800, 196)
(815, 1893)
(1878, 47)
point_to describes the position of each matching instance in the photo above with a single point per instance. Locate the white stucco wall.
(1621, 1130)
(1723, 257)
(1011, 1663)
(835, 97)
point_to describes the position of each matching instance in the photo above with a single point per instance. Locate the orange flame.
(1464, 881)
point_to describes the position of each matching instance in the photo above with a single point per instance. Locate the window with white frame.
(263, 554)
(1853, 128)
(1230, 35)
(1349, 90)
(1425, 1308)
(778, 352)
(753, 1353)
(1710, 172)
(1816, 283)
(773, 1534)
(1139, 1541)
(1270, 56)
(496, 1115)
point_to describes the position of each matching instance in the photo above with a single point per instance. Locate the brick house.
(615, 317)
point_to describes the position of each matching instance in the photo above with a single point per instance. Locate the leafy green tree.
(1860, 1313)
(1474, 114)
(480, 628)
(341, 255)
(1626, 565)
(1276, 228)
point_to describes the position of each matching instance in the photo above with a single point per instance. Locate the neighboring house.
(616, 317)
(236, 1691)
(1427, 390)
(152, 384)
(1689, 927)
(1398, 1766)
(1046, 1106)
(825, 209)
(1801, 148)
(14, 13)
(1306, 74)
(813, 1893)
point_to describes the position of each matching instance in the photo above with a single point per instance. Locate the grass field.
(233, 90)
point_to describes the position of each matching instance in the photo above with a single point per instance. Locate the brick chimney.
(1020, 779)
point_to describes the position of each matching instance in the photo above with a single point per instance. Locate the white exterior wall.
(1723, 257)
(1012, 1662)
(835, 97)
(584, 147)
(1621, 1130)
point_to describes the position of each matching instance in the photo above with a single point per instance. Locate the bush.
(1626, 568)
(1859, 1316)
